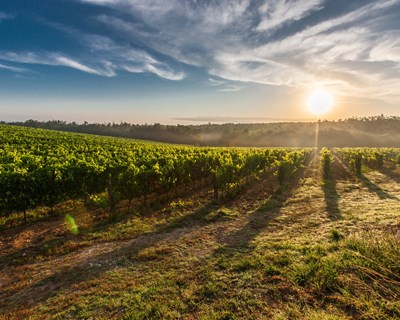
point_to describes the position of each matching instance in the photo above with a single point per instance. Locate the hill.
(379, 131)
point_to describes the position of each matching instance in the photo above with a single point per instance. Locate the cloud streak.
(223, 85)
(239, 41)
(13, 69)
(100, 56)
(123, 57)
(351, 47)
(118, 58)
(5, 16)
(52, 59)
(275, 14)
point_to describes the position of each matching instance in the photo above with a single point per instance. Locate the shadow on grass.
(127, 253)
(374, 188)
(391, 174)
(46, 248)
(338, 172)
(259, 220)
(88, 269)
(331, 198)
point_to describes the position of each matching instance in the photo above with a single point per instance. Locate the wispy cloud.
(351, 47)
(236, 41)
(317, 53)
(13, 69)
(123, 57)
(101, 56)
(216, 82)
(53, 59)
(224, 86)
(276, 13)
(5, 16)
(188, 31)
(107, 59)
(230, 88)
(113, 57)
(68, 62)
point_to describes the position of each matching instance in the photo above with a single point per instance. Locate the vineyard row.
(43, 168)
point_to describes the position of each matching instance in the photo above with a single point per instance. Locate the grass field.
(316, 250)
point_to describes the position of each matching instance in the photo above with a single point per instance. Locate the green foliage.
(326, 160)
(289, 163)
(357, 163)
(377, 158)
(42, 168)
(98, 201)
(321, 272)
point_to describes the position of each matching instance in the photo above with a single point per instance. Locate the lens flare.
(71, 224)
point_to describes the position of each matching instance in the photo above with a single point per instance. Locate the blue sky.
(180, 61)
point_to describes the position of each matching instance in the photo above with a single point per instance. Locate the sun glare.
(320, 102)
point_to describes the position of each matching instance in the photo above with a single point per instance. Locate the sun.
(320, 102)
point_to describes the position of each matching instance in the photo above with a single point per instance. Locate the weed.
(336, 235)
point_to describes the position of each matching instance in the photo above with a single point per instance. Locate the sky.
(193, 61)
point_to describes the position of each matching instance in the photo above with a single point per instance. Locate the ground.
(316, 250)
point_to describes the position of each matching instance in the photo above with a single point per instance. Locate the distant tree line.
(373, 131)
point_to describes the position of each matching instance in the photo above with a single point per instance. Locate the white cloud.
(111, 57)
(230, 88)
(184, 30)
(276, 13)
(216, 82)
(224, 86)
(13, 69)
(118, 57)
(163, 71)
(64, 61)
(211, 15)
(388, 48)
(52, 59)
(123, 57)
(236, 40)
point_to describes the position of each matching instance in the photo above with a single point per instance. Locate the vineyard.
(138, 230)
(43, 168)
